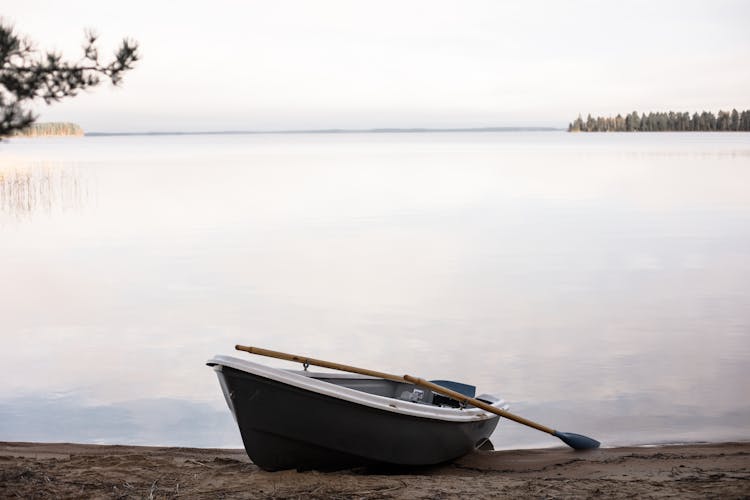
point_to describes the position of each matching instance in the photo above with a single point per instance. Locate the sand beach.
(46, 470)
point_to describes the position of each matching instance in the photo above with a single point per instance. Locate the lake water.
(598, 282)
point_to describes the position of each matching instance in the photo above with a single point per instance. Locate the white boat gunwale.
(305, 381)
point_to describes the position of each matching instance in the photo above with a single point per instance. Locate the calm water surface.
(599, 283)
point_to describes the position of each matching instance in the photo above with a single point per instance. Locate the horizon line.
(394, 130)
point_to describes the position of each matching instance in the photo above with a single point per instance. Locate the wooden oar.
(317, 362)
(576, 441)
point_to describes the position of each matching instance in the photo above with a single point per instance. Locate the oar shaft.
(479, 404)
(576, 441)
(317, 362)
(406, 378)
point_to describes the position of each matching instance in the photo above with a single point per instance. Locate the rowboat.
(300, 419)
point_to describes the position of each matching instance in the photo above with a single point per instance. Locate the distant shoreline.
(665, 121)
(336, 131)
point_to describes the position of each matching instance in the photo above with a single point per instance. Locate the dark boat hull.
(286, 427)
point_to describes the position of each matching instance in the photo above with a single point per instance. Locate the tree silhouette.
(27, 75)
(724, 121)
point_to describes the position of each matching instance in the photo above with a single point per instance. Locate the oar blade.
(577, 441)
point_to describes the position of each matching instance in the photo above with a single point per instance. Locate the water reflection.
(598, 285)
(166, 422)
(626, 420)
(41, 188)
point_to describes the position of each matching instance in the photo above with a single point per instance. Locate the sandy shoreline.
(37, 470)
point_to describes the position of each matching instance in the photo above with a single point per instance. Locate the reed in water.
(52, 129)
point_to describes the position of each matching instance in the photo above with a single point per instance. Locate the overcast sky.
(279, 64)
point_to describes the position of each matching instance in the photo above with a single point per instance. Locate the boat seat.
(465, 389)
(417, 395)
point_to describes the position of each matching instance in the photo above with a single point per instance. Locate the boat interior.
(396, 390)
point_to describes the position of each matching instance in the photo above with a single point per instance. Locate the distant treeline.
(49, 129)
(723, 121)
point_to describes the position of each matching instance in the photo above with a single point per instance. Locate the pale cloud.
(296, 64)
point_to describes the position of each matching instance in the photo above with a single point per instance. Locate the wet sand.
(35, 470)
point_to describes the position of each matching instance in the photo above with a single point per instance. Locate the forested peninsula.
(50, 129)
(723, 121)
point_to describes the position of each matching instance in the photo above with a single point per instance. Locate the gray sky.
(285, 64)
